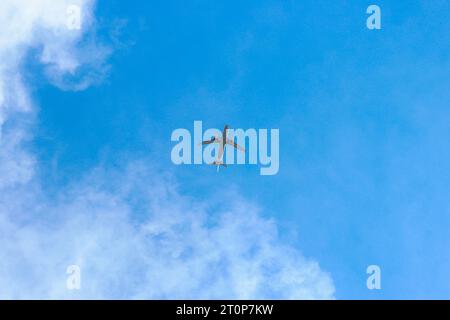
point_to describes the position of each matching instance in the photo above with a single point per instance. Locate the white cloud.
(41, 25)
(64, 53)
(139, 238)
(131, 231)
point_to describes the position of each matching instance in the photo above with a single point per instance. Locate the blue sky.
(364, 157)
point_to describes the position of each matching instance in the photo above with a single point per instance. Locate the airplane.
(222, 141)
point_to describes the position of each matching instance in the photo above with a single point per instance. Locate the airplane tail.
(218, 164)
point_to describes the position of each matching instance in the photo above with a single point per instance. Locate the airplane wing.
(231, 142)
(213, 139)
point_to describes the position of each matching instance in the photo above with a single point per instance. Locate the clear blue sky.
(363, 116)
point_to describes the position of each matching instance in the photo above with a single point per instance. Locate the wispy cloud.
(131, 231)
(136, 236)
